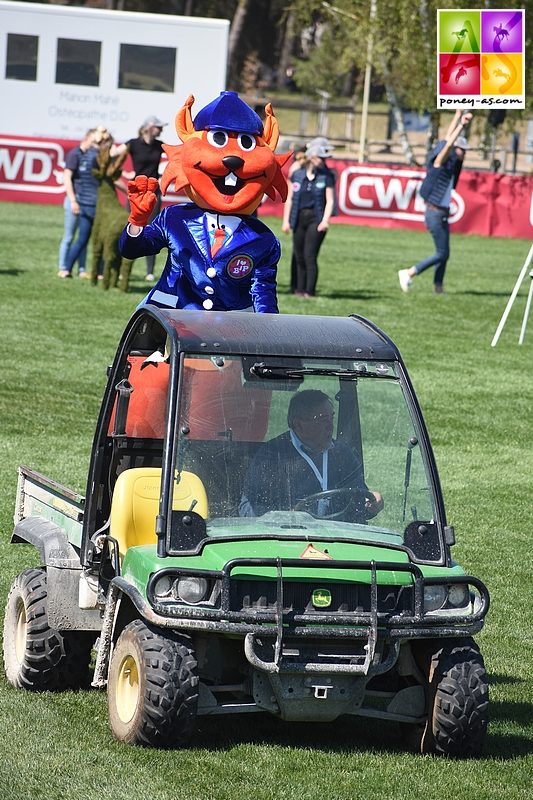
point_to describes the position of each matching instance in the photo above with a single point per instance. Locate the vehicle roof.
(238, 332)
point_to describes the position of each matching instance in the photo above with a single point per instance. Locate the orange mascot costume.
(220, 256)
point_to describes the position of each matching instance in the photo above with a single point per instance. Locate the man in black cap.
(306, 468)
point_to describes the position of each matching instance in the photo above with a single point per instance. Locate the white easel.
(512, 298)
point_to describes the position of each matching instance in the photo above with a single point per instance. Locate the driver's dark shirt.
(279, 477)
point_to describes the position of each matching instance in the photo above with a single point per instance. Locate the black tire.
(458, 702)
(152, 689)
(37, 657)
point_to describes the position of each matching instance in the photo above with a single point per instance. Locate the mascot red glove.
(142, 197)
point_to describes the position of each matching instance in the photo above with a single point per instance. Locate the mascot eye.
(246, 142)
(217, 138)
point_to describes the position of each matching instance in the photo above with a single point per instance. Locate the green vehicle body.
(306, 612)
(142, 562)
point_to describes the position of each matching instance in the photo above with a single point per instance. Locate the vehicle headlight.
(163, 586)
(458, 595)
(435, 597)
(190, 590)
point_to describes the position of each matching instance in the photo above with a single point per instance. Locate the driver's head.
(310, 416)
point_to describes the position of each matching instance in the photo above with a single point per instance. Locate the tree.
(235, 33)
(405, 37)
(404, 51)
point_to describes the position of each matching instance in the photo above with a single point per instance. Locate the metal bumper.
(377, 633)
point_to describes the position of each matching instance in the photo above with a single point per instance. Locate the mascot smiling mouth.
(230, 183)
(226, 134)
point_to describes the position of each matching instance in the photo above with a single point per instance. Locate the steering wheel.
(354, 507)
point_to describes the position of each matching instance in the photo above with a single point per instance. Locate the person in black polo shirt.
(146, 151)
(309, 206)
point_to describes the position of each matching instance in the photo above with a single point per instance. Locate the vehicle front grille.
(248, 595)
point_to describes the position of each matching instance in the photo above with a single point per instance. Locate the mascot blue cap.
(228, 113)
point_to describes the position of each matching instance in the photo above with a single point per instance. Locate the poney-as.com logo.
(481, 58)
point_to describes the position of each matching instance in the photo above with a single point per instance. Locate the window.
(151, 69)
(232, 434)
(78, 62)
(21, 62)
(394, 460)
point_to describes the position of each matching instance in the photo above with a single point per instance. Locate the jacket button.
(211, 272)
(209, 290)
(208, 304)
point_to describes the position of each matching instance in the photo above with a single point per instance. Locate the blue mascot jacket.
(241, 276)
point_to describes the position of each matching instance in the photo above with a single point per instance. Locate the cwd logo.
(30, 166)
(387, 193)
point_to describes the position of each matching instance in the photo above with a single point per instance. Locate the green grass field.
(57, 339)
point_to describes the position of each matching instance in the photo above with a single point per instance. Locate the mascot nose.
(233, 163)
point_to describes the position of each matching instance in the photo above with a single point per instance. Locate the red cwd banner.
(380, 195)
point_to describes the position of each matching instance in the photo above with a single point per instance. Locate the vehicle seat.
(135, 504)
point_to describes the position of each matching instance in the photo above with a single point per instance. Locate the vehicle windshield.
(288, 444)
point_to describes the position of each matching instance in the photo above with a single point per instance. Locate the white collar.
(321, 476)
(214, 220)
(297, 442)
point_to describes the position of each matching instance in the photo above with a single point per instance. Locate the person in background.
(146, 151)
(310, 204)
(80, 205)
(298, 163)
(444, 167)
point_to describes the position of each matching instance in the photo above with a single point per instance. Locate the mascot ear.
(173, 170)
(184, 126)
(270, 128)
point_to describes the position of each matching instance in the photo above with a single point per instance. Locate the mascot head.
(226, 162)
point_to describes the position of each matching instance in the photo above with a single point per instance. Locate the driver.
(304, 461)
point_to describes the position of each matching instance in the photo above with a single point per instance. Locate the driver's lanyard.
(322, 477)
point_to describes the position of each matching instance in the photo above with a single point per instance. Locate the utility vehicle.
(306, 613)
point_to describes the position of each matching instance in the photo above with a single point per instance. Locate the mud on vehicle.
(200, 605)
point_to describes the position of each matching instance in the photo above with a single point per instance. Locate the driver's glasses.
(325, 416)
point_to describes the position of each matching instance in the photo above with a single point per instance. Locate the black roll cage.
(174, 332)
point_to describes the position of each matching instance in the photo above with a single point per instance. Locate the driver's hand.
(373, 507)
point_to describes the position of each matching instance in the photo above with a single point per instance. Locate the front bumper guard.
(370, 626)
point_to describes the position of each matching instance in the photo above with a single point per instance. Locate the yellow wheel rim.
(128, 689)
(20, 633)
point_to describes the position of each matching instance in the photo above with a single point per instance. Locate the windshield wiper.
(262, 370)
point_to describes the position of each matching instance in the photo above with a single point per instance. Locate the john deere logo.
(321, 598)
